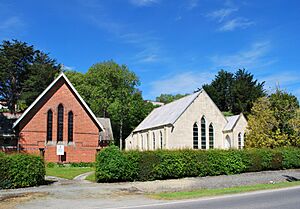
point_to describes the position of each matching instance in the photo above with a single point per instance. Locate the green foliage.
(21, 170)
(111, 91)
(113, 165)
(51, 165)
(274, 121)
(82, 164)
(167, 98)
(24, 73)
(236, 92)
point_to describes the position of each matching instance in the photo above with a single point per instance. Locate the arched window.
(240, 140)
(161, 140)
(60, 122)
(195, 136)
(49, 125)
(148, 143)
(70, 126)
(211, 136)
(203, 134)
(142, 142)
(153, 141)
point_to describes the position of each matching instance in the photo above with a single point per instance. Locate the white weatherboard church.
(193, 121)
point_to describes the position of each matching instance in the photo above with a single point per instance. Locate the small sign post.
(60, 150)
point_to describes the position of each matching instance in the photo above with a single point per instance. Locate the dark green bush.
(113, 165)
(51, 165)
(21, 170)
(290, 158)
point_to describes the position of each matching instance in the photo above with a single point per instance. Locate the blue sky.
(174, 46)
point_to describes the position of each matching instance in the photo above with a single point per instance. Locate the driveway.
(83, 194)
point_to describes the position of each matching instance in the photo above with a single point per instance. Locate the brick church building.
(59, 121)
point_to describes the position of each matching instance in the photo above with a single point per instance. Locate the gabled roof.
(105, 122)
(61, 76)
(232, 120)
(167, 114)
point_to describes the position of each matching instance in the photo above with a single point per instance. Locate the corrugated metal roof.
(231, 122)
(167, 114)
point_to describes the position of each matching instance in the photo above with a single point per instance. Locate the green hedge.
(21, 170)
(112, 165)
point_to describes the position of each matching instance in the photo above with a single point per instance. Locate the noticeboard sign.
(60, 150)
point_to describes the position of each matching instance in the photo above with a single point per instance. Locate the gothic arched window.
(203, 134)
(49, 125)
(240, 140)
(195, 136)
(211, 136)
(60, 122)
(70, 126)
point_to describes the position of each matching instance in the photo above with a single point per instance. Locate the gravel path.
(76, 194)
(82, 177)
(218, 181)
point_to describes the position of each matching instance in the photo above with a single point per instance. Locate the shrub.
(290, 158)
(51, 165)
(113, 165)
(21, 170)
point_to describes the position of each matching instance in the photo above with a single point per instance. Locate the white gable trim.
(61, 75)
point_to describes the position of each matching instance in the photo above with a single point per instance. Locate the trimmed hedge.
(21, 170)
(112, 165)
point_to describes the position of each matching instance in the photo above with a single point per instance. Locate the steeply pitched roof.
(232, 120)
(167, 114)
(108, 134)
(61, 76)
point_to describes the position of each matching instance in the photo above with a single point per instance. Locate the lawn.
(67, 172)
(215, 192)
(91, 177)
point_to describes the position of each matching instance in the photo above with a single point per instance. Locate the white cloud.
(221, 14)
(235, 23)
(192, 4)
(182, 83)
(11, 23)
(284, 80)
(253, 57)
(143, 3)
(228, 18)
(147, 43)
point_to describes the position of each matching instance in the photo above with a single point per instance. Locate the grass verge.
(67, 172)
(91, 177)
(223, 191)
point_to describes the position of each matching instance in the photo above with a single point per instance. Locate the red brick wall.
(33, 129)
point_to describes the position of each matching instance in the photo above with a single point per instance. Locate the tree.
(234, 93)
(111, 91)
(24, 73)
(167, 98)
(220, 90)
(294, 123)
(274, 121)
(261, 124)
(245, 90)
(285, 108)
(15, 57)
(40, 74)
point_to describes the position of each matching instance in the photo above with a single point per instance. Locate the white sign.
(60, 150)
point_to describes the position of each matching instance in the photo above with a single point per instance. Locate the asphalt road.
(274, 199)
